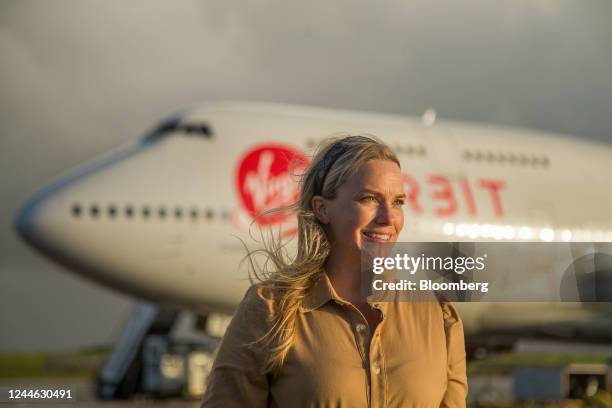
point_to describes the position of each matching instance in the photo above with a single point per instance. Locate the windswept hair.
(286, 280)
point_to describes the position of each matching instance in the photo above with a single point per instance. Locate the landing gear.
(151, 359)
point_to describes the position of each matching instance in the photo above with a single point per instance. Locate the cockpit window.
(195, 129)
(198, 129)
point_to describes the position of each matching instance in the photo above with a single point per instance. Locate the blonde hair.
(285, 280)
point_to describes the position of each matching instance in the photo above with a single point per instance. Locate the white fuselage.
(161, 218)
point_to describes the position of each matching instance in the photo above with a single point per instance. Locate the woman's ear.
(319, 207)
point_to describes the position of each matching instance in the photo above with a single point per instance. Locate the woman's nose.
(385, 215)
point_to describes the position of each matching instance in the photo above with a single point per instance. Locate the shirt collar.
(320, 293)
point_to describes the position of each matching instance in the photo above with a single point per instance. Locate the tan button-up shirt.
(414, 358)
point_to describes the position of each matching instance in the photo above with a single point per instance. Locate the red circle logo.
(266, 179)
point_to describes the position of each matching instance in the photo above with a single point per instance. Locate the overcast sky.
(80, 77)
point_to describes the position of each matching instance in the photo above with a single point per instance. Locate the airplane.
(162, 217)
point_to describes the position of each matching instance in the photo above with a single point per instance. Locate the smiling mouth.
(377, 237)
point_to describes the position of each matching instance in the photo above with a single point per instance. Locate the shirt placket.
(377, 369)
(371, 355)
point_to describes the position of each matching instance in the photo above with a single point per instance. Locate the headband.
(333, 154)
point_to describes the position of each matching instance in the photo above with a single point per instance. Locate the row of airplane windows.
(161, 212)
(518, 159)
(510, 158)
(411, 150)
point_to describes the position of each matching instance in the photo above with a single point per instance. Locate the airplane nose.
(86, 220)
(35, 220)
(46, 219)
(25, 219)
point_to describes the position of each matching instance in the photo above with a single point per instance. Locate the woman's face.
(367, 207)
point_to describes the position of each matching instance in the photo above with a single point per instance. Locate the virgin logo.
(265, 180)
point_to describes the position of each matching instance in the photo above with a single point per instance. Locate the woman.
(303, 335)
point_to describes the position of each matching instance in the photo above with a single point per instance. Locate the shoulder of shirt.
(258, 299)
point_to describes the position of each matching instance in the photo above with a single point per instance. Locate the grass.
(504, 363)
(35, 365)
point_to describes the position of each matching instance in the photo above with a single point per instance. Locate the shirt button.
(376, 368)
(360, 327)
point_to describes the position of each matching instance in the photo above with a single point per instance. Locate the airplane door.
(445, 153)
